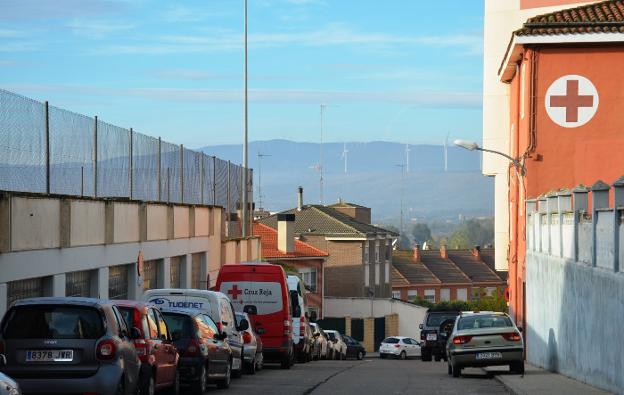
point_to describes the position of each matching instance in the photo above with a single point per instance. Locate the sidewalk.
(539, 381)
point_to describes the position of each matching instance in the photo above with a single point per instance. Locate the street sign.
(571, 101)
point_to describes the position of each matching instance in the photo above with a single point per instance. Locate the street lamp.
(472, 146)
(244, 203)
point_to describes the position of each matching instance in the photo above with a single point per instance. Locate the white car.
(399, 347)
(340, 347)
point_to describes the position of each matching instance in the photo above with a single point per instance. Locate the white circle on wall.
(571, 101)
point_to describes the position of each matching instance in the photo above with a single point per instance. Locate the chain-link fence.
(44, 149)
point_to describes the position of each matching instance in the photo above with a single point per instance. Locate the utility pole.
(402, 190)
(260, 156)
(407, 157)
(245, 213)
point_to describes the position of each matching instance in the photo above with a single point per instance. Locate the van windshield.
(53, 322)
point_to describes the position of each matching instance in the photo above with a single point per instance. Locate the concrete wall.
(35, 223)
(410, 315)
(87, 224)
(202, 221)
(156, 221)
(125, 225)
(180, 222)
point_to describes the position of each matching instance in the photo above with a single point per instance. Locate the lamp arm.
(515, 161)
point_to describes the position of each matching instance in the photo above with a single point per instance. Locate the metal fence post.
(81, 181)
(168, 185)
(47, 146)
(214, 180)
(202, 174)
(158, 175)
(182, 173)
(130, 168)
(227, 205)
(95, 157)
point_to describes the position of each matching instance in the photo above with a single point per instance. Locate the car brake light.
(511, 336)
(461, 339)
(397, 346)
(106, 349)
(141, 347)
(247, 337)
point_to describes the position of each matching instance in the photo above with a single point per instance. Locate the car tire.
(437, 358)
(456, 371)
(403, 355)
(225, 382)
(450, 368)
(517, 367)
(425, 355)
(360, 356)
(175, 387)
(200, 386)
(285, 362)
(251, 367)
(260, 362)
(382, 356)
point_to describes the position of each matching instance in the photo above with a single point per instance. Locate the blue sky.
(398, 70)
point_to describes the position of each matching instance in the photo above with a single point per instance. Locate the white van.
(296, 288)
(216, 304)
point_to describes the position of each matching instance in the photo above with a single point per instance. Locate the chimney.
(417, 253)
(443, 253)
(286, 232)
(476, 252)
(299, 198)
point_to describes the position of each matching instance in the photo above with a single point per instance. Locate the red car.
(159, 357)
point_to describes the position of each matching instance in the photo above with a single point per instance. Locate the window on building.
(377, 247)
(462, 294)
(196, 271)
(150, 274)
(412, 293)
(430, 295)
(366, 252)
(396, 294)
(78, 283)
(445, 294)
(313, 313)
(175, 265)
(489, 291)
(308, 275)
(377, 274)
(367, 276)
(118, 282)
(387, 272)
(21, 289)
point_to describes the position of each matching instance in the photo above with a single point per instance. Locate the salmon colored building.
(565, 110)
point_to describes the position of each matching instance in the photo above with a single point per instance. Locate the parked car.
(252, 346)
(301, 341)
(355, 349)
(205, 355)
(399, 347)
(433, 346)
(260, 290)
(69, 345)
(340, 347)
(159, 357)
(218, 307)
(8, 386)
(485, 339)
(321, 343)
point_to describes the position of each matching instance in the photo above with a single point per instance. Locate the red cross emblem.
(571, 101)
(234, 292)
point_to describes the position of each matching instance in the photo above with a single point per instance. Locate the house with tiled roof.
(443, 275)
(281, 247)
(360, 254)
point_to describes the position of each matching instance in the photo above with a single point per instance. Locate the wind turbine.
(260, 156)
(407, 156)
(345, 153)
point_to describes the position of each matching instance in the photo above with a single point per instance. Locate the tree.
(421, 233)
(472, 232)
(404, 242)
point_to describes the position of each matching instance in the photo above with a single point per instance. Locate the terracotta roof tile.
(414, 272)
(477, 270)
(602, 17)
(268, 240)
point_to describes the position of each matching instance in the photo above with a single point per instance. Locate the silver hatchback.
(484, 339)
(68, 345)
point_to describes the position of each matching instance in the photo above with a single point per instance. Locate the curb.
(508, 387)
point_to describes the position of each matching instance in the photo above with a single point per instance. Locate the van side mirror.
(244, 325)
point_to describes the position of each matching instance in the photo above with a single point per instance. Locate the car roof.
(476, 313)
(53, 300)
(132, 303)
(399, 337)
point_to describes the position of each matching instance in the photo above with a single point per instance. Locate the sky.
(398, 70)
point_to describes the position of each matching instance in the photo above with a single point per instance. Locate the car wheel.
(450, 368)
(175, 387)
(403, 355)
(285, 363)
(260, 363)
(456, 370)
(360, 355)
(382, 356)
(251, 367)
(225, 382)
(425, 355)
(517, 367)
(200, 385)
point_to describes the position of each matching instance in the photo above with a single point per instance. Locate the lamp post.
(472, 146)
(402, 190)
(245, 216)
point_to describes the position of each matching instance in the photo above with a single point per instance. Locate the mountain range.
(376, 176)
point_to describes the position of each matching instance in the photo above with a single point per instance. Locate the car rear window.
(391, 340)
(180, 325)
(484, 321)
(438, 319)
(53, 322)
(128, 315)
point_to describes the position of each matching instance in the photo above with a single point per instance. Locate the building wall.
(313, 299)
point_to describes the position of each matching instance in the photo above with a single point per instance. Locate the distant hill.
(372, 177)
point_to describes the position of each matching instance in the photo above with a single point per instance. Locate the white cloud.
(97, 29)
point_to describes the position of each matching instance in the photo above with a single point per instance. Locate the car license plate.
(489, 355)
(49, 355)
(432, 336)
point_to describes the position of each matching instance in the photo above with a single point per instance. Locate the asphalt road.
(370, 376)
